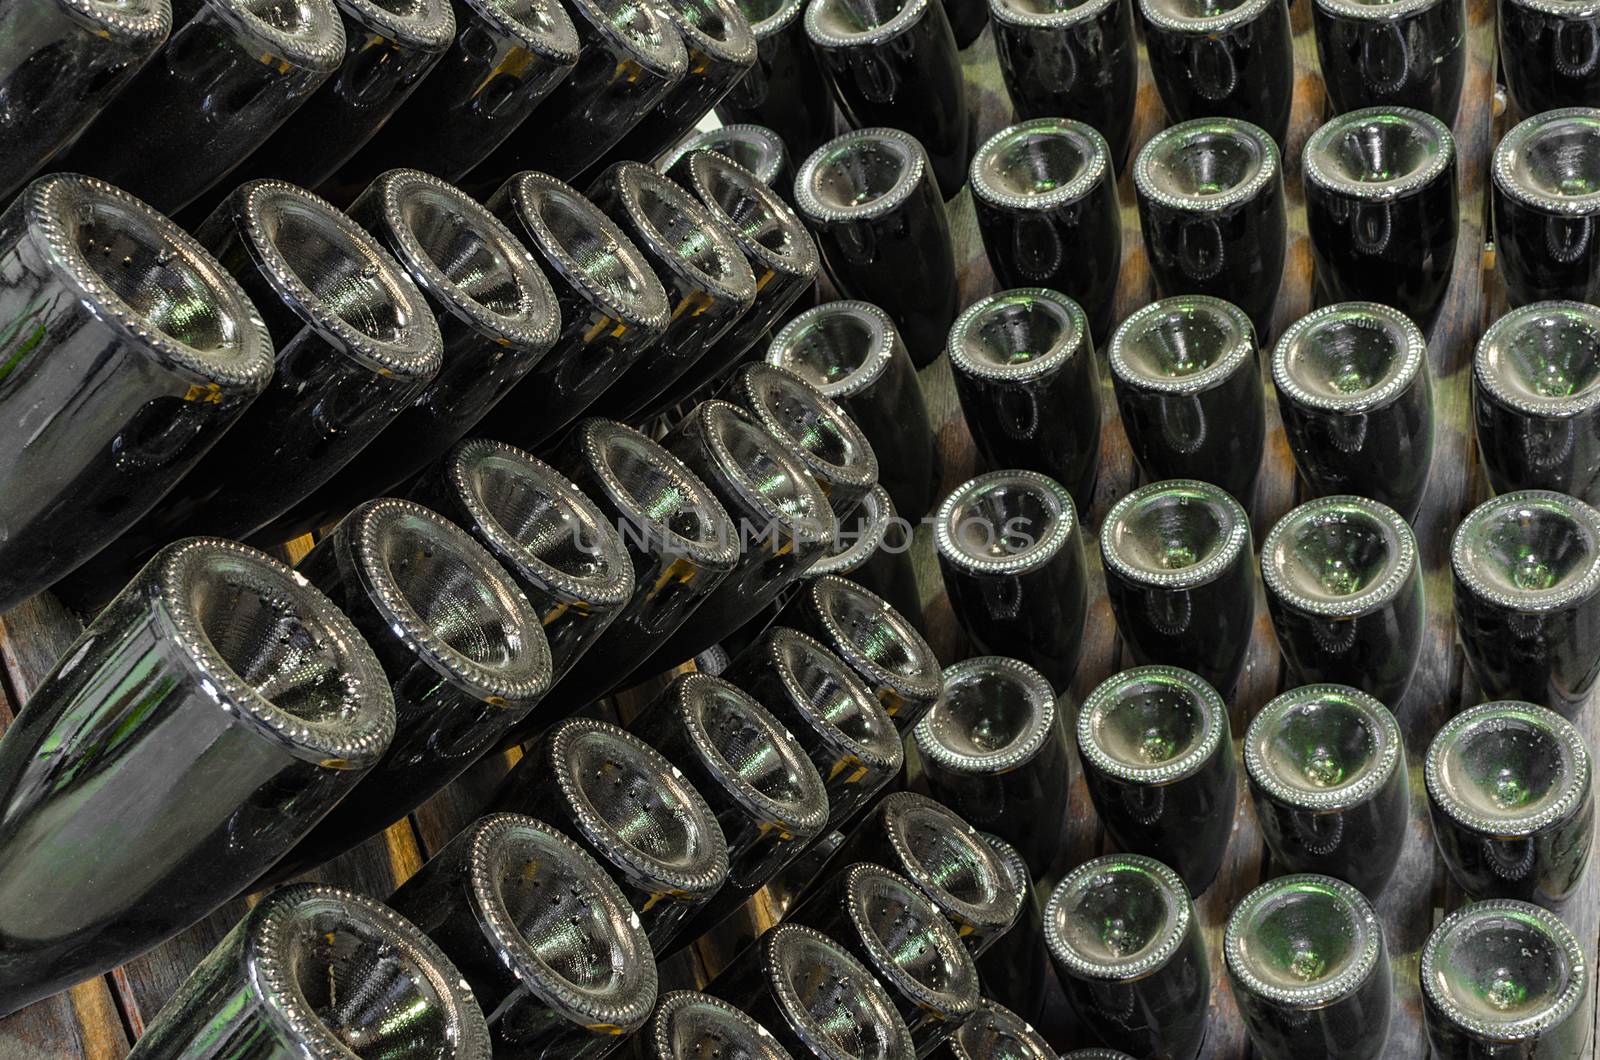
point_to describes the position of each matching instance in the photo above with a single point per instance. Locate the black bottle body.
(1544, 255)
(1205, 629)
(1376, 651)
(785, 90)
(1548, 60)
(1241, 70)
(1216, 435)
(1359, 844)
(1417, 59)
(1544, 657)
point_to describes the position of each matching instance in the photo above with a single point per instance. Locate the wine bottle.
(1210, 194)
(1545, 215)
(887, 924)
(689, 1025)
(1126, 942)
(1233, 59)
(542, 936)
(1536, 406)
(1046, 199)
(678, 537)
(1025, 373)
(775, 242)
(244, 690)
(1345, 595)
(60, 62)
(497, 315)
(1356, 397)
(1526, 573)
(1180, 576)
(1188, 385)
(781, 514)
(613, 308)
(839, 723)
(632, 810)
(1158, 755)
(708, 283)
(1511, 798)
(1547, 55)
(878, 643)
(853, 353)
(1309, 967)
(1021, 974)
(229, 75)
(819, 1002)
(870, 199)
(1382, 208)
(1504, 972)
(129, 350)
(996, 1033)
(312, 970)
(785, 89)
(1327, 774)
(461, 646)
(816, 431)
(1411, 54)
(629, 58)
(1079, 62)
(758, 780)
(556, 544)
(995, 751)
(506, 58)
(1010, 549)
(873, 549)
(722, 50)
(755, 147)
(895, 65)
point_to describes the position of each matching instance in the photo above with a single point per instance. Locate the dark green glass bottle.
(1127, 946)
(1158, 756)
(1180, 577)
(1511, 796)
(1546, 172)
(1344, 589)
(1310, 970)
(688, 1025)
(1506, 979)
(1327, 772)
(995, 1033)
(1526, 568)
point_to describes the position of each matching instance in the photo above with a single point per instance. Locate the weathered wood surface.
(99, 1018)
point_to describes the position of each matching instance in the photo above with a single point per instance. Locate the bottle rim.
(878, 332)
(1369, 11)
(635, 298)
(726, 275)
(646, 37)
(258, 209)
(752, 1040)
(131, 21)
(1233, 539)
(701, 876)
(1245, 11)
(995, 1021)
(1071, 341)
(1524, 135)
(762, 143)
(1264, 171)
(999, 898)
(54, 207)
(316, 43)
(867, 887)
(1238, 334)
(600, 441)
(1435, 133)
(541, 26)
(1061, 530)
(427, 25)
(906, 152)
(366, 536)
(1178, 917)
(776, 242)
(823, 37)
(354, 737)
(766, 391)
(532, 325)
(735, 45)
(270, 928)
(1211, 740)
(755, 464)
(1402, 334)
(1387, 747)
(1012, 13)
(788, 653)
(1400, 556)
(1093, 154)
(920, 682)
(1530, 916)
(1490, 362)
(873, 517)
(1354, 910)
(932, 731)
(1578, 515)
(1498, 716)
(813, 948)
(774, 21)
(626, 1002)
(463, 470)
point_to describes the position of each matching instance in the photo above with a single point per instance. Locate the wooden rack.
(100, 1018)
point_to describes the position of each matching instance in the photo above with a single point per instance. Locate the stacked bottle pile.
(446, 284)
